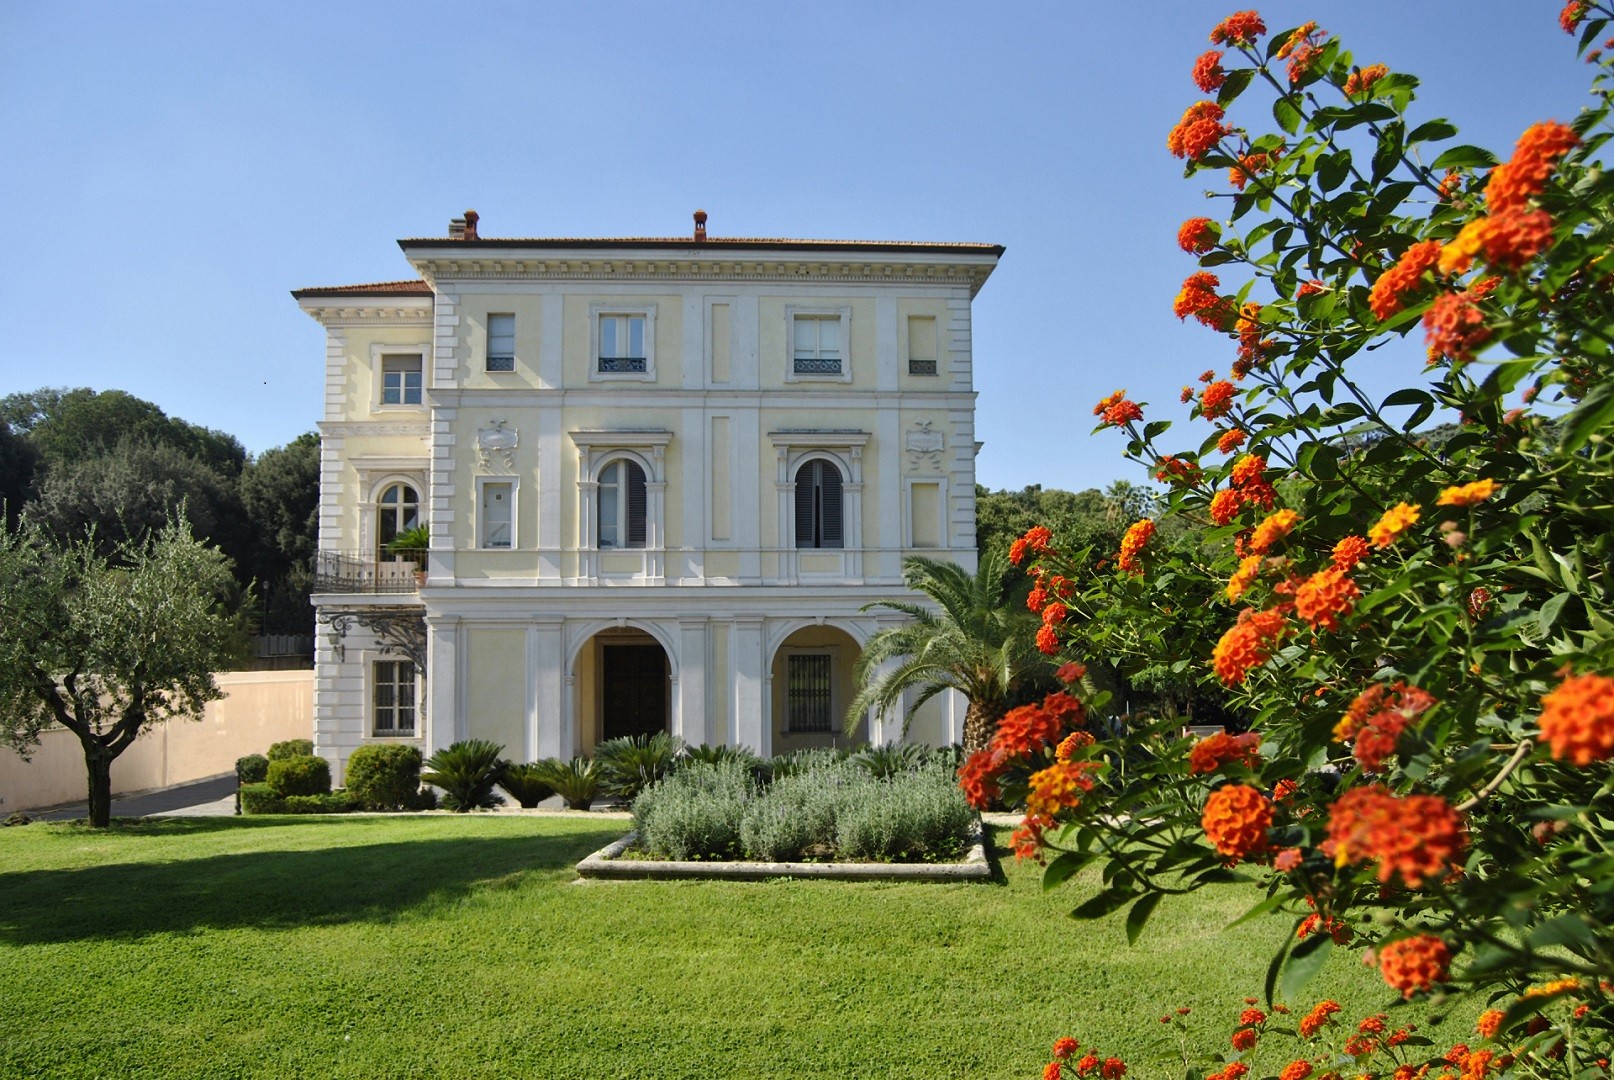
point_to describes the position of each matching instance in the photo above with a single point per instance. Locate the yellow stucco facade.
(662, 480)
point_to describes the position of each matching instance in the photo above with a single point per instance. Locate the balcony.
(362, 572)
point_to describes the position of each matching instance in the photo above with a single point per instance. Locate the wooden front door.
(634, 698)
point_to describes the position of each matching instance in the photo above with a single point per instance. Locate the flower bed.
(814, 812)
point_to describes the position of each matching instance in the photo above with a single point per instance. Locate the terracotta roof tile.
(415, 287)
(893, 246)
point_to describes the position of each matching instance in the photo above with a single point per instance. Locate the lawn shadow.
(269, 889)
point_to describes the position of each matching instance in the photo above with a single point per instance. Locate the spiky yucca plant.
(632, 763)
(526, 784)
(467, 773)
(576, 781)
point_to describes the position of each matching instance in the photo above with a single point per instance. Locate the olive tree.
(106, 646)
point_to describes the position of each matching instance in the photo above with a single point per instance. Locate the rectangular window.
(497, 501)
(921, 345)
(808, 697)
(400, 380)
(501, 342)
(394, 693)
(817, 345)
(622, 344)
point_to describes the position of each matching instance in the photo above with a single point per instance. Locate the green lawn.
(465, 947)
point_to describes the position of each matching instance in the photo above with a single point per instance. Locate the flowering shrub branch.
(1417, 623)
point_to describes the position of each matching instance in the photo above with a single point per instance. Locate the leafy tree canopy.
(66, 426)
(108, 644)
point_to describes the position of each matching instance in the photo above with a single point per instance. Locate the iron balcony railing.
(363, 572)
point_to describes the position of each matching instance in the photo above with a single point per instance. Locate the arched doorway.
(812, 686)
(625, 682)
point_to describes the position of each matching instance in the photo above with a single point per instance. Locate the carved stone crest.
(925, 446)
(497, 443)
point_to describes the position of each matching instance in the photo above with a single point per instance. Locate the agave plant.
(467, 773)
(891, 759)
(717, 755)
(632, 763)
(576, 781)
(526, 784)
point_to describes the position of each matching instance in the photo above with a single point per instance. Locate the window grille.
(809, 704)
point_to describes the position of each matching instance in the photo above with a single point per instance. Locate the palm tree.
(977, 644)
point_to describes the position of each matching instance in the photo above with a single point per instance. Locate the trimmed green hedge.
(262, 799)
(299, 776)
(291, 748)
(385, 777)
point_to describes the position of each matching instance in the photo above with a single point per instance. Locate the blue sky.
(171, 170)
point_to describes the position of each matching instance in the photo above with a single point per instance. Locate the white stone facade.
(666, 510)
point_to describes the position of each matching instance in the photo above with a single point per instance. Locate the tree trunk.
(100, 769)
(980, 724)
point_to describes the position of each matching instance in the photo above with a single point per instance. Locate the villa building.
(661, 479)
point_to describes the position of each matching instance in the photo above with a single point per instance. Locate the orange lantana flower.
(1467, 494)
(1326, 597)
(1414, 963)
(1418, 837)
(1208, 73)
(1272, 529)
(1349, 551)
(1404, 277)
(1224, 506)
(1137, 535)
(1216, 399)
(1236, 820)
(1198, 297)
(1240, 28)
(1230, 441)
(1247, 645)
(1514, 182)
(1396, 520)
(1212, 752)
(1360, 82)
(1199, 130)
(1197, 235)
(1243, 577)
(1577, 719)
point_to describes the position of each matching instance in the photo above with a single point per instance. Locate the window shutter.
(806, 486)
(636, 505)
(831, 534)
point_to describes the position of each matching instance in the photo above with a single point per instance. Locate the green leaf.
(1265, 907)
(1287, 114)
(1332, 169)
(1276, 964)
(1237, 81)
(1388, 154)
(1064, 866)
(1304, 962)
(1102, 904)
(1551, 610)
(1432, 130)
(1465, 157)
(1138, 917)
(1592, 415)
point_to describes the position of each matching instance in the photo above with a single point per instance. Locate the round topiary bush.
(299, 776)
(252, 769)
(384, 777)
(291, 748)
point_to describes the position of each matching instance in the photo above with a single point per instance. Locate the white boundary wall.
(258, 708)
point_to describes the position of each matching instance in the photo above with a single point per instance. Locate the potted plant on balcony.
(411, 544)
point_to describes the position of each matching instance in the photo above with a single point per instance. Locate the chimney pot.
(700, 226)
(471, 218)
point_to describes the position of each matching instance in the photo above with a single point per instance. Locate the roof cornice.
(486, 260)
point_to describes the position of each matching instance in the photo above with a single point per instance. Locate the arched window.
(818, 505)
(396, 511)
(621, 505)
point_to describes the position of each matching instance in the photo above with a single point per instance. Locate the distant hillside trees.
(105, 464)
